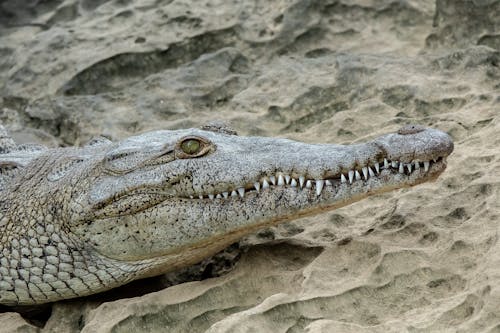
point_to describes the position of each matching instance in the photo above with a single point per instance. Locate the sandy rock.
(14, 323)
(459, 24)
(416, 260)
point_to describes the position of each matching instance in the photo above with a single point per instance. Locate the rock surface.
(424, 259)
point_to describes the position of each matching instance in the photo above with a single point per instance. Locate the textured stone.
(317, 71)
(14, 323)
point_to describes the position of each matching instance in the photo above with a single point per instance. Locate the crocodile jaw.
(198, 220)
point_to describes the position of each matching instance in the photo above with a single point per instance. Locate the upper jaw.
(406, 174)
(243, 164)
(418, 153)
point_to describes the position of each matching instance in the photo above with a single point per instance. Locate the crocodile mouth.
(414, 172)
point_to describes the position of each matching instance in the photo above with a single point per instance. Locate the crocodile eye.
(191, 146)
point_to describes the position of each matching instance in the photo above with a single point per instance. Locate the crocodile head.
(77, 221)
(169, 198)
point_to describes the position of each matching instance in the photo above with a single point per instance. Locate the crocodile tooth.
(281, 180)
(233, 193)
(408, 166)
(287, 179)
(401, 168)
(386, 163)
(200, 196)
(434, 160)
(365, 172)
(358, 176)
(377, 167)
(351, 176)
(302, 179)
(272, 179)
(426, 166)
(241, 192)
(265, 184)
(370, 172)
(218, 196)
(191, 197)
(308, 184)
(225, 194)
(342, 178)
(417, 165)
(328, 182)
(319, 186)
(211, 196)
(293, 183)
(257, 186)
(394, 164)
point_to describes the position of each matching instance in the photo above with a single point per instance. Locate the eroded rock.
(423, 260)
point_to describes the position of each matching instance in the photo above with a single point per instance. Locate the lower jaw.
(230, 219)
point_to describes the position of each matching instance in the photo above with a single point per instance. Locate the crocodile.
(76, 221)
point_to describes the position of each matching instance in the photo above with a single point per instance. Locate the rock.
(461, 24)
(14, 323)
(418, 260)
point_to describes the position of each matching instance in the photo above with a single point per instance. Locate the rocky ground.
(424, 259)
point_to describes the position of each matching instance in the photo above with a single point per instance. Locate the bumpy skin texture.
(78, 221)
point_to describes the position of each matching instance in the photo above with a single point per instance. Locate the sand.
(424, 259)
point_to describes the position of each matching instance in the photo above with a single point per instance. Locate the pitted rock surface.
(314, 71)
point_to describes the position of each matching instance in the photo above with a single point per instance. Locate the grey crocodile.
(78, 221)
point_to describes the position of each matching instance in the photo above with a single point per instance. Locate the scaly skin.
(78, 221)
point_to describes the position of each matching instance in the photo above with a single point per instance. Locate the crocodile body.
(78, 221)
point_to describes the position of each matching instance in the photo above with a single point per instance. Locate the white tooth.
(417, 165)
(377, 167)
(370, 171)
(342, 178)
(319, 186)
(351, 176)
(200, 196)
(265, 184)
(358, 176)
(234, 194)
(394, 164)
(408, 166)
(272, 179)
(241, 192)
(281, 180)
(218, 196)
(426, 166)
(365, 172)
(401, 168)
(308, 184)
(225, 194)
(257, 186)
(191, 197)
(293, 183)
(435, 160)
(302, 179)
(328, 183)
(386, 163)
(287, 179)
(211, 196)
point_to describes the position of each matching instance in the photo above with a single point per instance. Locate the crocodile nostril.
(411, 129)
